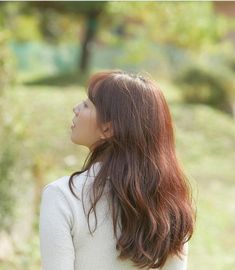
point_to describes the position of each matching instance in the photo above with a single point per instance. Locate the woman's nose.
(76, 110)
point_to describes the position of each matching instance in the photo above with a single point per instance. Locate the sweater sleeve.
(55, 224)
(175, 263)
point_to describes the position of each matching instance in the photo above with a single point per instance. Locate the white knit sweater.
(65, 240)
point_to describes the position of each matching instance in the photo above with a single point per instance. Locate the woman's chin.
(72, 139)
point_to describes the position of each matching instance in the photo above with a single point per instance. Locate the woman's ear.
(107, 130)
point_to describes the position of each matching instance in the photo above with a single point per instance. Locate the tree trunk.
(91, 28)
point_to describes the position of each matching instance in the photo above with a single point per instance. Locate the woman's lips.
(73, 125)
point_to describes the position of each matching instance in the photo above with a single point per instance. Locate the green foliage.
(151, 34)
(69, 7)
(8, 159)
(51, 21)
(8, 141)
(13, 132)
(7, 62)
(172, 23)
(159, 22)
(209, 79)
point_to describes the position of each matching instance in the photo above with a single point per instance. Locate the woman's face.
(84, 130)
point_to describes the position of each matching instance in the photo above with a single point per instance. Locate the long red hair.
(150, 195)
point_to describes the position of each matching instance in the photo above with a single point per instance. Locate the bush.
(8, 136)
(7, 63)
(209, 81)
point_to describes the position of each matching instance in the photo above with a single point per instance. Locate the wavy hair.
(149, 192)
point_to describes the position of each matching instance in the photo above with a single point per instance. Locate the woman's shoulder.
(61, 184)
(58, 184)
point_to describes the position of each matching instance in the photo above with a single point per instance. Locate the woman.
(141, 200)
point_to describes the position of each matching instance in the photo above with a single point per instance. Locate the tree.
(46, 11)
(90, 11)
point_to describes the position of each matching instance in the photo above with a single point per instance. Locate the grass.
(204, 141)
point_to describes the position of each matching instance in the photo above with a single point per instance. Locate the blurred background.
(48, 50)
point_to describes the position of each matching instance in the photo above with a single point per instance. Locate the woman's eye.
(85, 105)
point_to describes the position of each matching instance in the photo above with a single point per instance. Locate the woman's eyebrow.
(88, 101)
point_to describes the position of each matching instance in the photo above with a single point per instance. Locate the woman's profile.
(130, 207)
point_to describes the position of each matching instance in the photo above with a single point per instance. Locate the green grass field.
(205, 142)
